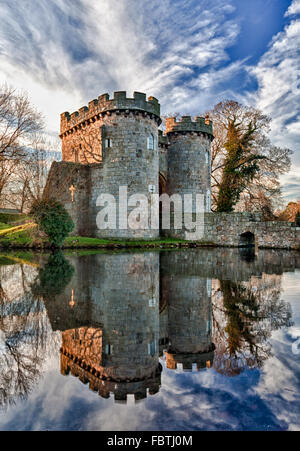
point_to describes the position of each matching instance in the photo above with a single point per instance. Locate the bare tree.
(18, 121)
(19, 124)
(29, 177)
(25, 335)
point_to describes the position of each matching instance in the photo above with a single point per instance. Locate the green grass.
(16, 257)
(17, 239)
(25, 239)
(77, 242)
(8, 218)
(6, 261)
(3, 226)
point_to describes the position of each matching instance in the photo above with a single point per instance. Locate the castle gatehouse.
(114, 149)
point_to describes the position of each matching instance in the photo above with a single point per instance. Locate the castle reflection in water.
(120, 314)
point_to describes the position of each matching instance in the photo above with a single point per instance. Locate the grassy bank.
(82, 242)
(26, 236)
(28, 239)
(19, 232)
(9, 219)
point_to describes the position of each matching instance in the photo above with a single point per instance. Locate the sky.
(190, 54)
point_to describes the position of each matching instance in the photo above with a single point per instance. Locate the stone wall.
(62, 177)
(127, 163)
(223, 229)
(89, 181)
(226, 229)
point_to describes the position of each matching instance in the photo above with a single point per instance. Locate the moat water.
(200, 339)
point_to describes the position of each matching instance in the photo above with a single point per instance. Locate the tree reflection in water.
(112, 335)
(26, 338)
(54, 277)
(244, 316)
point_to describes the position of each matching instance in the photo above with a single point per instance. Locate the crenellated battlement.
(201, 360)
(105, 386)
(201, 125)
(104, 105)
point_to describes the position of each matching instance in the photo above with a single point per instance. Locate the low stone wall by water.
(243, 229)
(228, 229)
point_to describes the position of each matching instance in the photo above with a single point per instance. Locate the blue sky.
(189, 53)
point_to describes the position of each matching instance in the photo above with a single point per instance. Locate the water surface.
(202, 339)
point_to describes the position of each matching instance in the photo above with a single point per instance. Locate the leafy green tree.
(54, 277)
(53, 219)
(297, 219)
(263, 193)
(241, 165)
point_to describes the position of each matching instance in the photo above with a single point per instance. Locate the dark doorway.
(247, 239)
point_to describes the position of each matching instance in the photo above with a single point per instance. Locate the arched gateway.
(247, 239)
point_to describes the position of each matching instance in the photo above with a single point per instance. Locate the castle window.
(208, 202)
(208, 287)
(107, 143)
(207, 157)
(150, 142)
(108, 349)
(152, 302)
(151, 348)
(208, 326)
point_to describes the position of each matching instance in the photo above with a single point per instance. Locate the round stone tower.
(122, 135)
(117, 349)
(189, 160)
(187, 316)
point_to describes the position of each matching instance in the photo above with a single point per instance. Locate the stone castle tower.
(116, 143)
(185, 313)
(110, 329)
(121, 311)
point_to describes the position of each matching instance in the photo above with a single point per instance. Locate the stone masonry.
(113, 143)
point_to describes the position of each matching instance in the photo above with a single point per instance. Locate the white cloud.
(278, 94)
(293, 9)
(281, 393)
(67, 52)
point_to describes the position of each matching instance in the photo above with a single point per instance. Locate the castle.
(122, 312)
(116, 143)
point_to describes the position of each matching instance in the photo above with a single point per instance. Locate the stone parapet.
(104, 105)
(190, 362)
(187, 125)
(105, 385)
